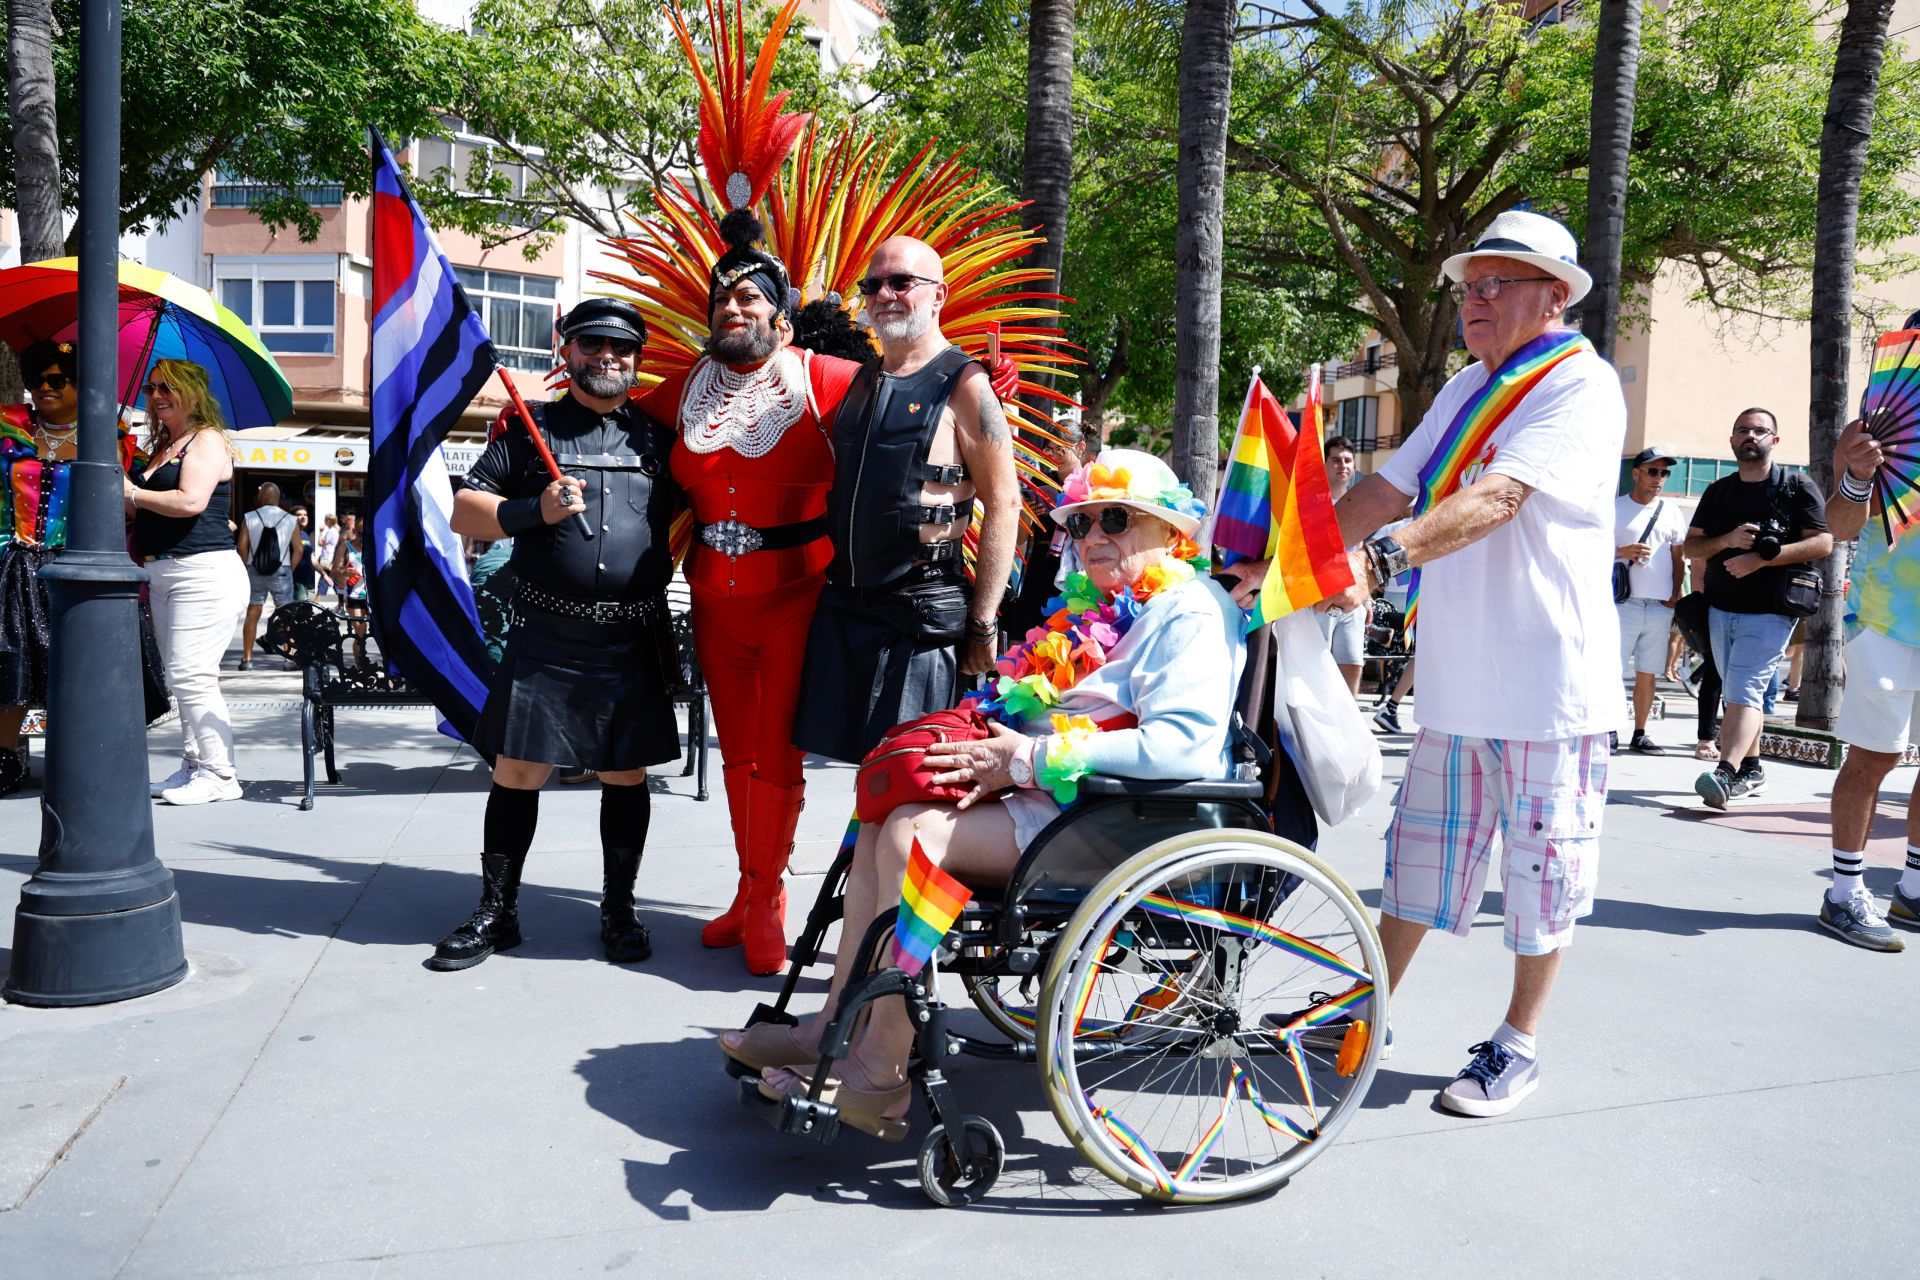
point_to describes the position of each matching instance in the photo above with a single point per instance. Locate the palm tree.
(1843, 159)
(1046, 171)
(1206, 85)
(36, 148)
(1616, 70)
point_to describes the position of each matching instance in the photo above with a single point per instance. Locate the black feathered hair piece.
(745, 260)
(824, 328)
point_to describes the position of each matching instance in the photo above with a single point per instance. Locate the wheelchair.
(1165, 953)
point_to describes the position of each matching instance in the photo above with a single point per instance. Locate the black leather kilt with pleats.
(584, 694)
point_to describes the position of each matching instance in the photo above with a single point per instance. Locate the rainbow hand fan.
(1890, 409)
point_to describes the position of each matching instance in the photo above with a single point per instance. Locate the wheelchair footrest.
(797, 1115)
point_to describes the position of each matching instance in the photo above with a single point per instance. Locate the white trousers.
(196, 600)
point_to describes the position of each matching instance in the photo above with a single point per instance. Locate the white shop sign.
(331, 455)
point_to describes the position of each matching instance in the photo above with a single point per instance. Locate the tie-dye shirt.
(1884, 591)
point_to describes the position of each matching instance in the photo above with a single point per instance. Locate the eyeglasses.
(899, 282)
(1658, 471)
(1753, 431)
(51, 381)
(164, 388)
(1113, 522)
(1487, 288)
(591, 343)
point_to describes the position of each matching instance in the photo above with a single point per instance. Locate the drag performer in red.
(755, 461)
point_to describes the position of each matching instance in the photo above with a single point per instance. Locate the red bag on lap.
(896, 772)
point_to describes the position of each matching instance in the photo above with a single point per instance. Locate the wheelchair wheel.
(1174, 1038)
(982, 1154)
(1006, 1002)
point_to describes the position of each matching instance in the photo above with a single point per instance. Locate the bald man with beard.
(919, 436)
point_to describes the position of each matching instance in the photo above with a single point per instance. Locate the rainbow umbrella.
(161, 318)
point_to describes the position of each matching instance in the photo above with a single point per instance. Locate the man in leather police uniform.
(918, 437)
(585, 678)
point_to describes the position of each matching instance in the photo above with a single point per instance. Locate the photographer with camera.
(1759, 530)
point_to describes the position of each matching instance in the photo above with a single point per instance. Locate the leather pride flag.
(431, 355)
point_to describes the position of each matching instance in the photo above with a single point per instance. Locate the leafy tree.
(590, 107)
(1398, 132)
(273, 93)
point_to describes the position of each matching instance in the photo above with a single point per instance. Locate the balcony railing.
(247, 195)
(1364, 368)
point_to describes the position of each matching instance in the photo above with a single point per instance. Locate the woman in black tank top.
(179, 505)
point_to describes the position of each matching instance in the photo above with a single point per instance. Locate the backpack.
(266, 561)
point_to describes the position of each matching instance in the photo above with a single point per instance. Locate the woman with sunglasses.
(37, 446)
(1156, 649)
(179, 502)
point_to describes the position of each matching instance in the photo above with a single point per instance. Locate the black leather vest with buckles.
(881, 438)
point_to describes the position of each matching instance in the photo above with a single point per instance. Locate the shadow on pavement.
(1688, 922)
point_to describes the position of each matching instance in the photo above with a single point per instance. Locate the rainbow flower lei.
(1080, 630)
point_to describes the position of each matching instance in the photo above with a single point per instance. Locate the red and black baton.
(539, 442)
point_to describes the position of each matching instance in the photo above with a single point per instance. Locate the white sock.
(1847, 868)
(1519, 1042)
(1910, 878)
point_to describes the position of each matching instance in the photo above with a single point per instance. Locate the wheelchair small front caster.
(950, 1183)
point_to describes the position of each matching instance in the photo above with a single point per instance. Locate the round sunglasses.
(899, 282)
(1113, 522)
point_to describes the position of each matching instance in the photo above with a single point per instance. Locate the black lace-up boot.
(624, 937)
(494, 924)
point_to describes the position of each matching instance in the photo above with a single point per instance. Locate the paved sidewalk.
(1726, 1090)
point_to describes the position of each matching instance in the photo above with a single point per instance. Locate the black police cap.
(608, 317)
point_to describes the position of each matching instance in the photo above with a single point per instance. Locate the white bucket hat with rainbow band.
(1131, 478)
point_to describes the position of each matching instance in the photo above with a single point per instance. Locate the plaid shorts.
(1543, 799)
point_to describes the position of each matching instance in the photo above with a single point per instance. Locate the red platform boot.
(724, 930)
(775, 812)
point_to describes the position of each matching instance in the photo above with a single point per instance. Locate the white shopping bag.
(1338, 756)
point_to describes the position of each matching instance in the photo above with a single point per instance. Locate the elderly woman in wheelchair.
(1134, 677)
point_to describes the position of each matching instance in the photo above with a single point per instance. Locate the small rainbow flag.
(1275, 504)
(930, 901)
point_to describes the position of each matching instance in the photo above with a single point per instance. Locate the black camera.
(1773, 534)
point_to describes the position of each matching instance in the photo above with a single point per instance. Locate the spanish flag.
(1275, 505)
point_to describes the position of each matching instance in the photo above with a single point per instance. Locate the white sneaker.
(178, 778)
(204, 787)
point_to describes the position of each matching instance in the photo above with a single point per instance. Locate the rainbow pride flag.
(930, 901)
(1275, 505)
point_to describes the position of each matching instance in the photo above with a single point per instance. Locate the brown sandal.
(862, 1109)
(768, 1044)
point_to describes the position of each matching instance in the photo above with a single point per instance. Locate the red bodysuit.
(751, 611)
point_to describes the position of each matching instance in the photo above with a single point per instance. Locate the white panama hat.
(1528, 237)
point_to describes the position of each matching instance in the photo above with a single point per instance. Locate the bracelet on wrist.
(985, 629)
(1855, 490)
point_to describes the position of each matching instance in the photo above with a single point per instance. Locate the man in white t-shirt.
(1510, 481)
(1647, 532)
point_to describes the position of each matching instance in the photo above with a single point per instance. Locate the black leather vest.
(881, 437)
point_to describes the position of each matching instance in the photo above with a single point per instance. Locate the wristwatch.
(1389, 559)
(1020, 766)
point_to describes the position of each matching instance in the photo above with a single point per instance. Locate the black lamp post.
(99, 920)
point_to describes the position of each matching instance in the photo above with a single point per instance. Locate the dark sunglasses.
(164, 388)
(591, 343)
(899, 282)
(51, 381)
(1113, 522)
(1658, 471)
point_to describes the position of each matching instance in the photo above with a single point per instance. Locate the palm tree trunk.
(1843, 158)
(1616, 71)
(1206, 84)
(36, 147)
(1046, 171)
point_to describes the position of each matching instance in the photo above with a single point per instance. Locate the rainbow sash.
(1465, 438)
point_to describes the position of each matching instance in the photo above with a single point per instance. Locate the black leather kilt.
(878, 657)
(590, 695)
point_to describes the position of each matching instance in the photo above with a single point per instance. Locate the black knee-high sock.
(511, 817)
(624, 815)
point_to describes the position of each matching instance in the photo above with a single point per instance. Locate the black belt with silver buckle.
(606, 612)
(737, 538)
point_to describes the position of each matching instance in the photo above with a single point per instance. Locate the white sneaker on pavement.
(178, 778)
(204, 787)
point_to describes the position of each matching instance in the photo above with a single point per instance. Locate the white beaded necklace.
(748, 412)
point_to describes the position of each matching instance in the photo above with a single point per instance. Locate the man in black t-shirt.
(1754, 528)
